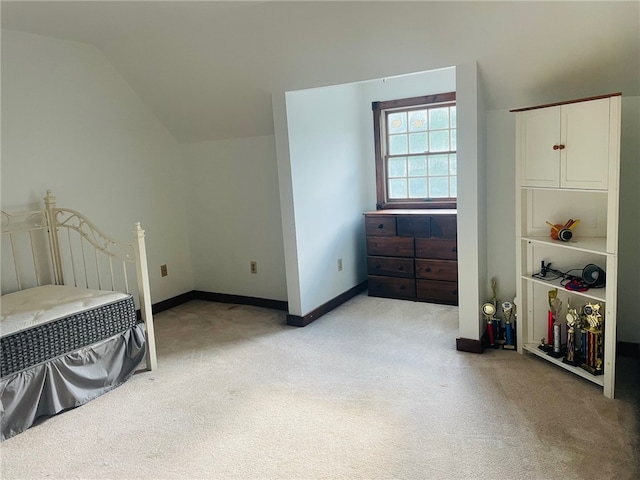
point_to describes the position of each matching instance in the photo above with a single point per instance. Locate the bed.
(76, 316)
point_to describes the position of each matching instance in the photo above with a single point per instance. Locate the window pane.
(397, 144)
(398, 188)
(398, 167)
(453, 164)
(439, 187)
(439, 141)
(453, 181)
(397, 122)
(417, 188)
(438, 165)
(418, 121)
(453, 140)
(418, 167)
(453, 117)
(418, 142)
(438, 118)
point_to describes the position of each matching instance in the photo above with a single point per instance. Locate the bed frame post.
(50, 209)
(145, 295)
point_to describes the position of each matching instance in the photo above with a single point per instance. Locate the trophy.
(507, 311)
(583, 338)
(555, 304)
(573, 320)
(488, 310)
(593, 362)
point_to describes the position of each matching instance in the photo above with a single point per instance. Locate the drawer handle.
(380, 225)
(401, 287)
(428, 269)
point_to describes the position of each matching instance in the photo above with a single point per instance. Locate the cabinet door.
(539, 132)
(584, 159)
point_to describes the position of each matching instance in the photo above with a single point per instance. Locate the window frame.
(380, 135)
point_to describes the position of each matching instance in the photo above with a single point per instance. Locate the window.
(415, 141)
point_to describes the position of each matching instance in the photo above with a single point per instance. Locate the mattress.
(41, 323)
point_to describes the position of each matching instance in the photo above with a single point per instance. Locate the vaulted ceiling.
(207, 69)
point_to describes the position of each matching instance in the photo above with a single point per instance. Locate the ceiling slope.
(207, 69)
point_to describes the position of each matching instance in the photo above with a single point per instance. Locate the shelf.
(597, 245)
(533, 348)
(599, 294)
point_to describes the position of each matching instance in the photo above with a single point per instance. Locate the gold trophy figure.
(594, 361)
(507, 311)
(488, 310)
(573, 320)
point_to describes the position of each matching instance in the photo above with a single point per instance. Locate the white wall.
(629, 230)
(472, 239)
(328, 193)
(234, 217)
(71, 124)
(501, 214)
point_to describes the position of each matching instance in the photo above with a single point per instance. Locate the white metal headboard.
(61, 246)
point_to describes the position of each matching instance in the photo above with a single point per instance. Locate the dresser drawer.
(444, 226)
(414, 226)
(437, 292)
(442, 248)
(390, 246)
(390, 266)
(392, 287)
(446, 270)
(383, 225)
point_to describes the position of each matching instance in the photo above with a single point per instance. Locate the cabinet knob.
(380, 225)
(428, 269)
(556, 147)
(561, 147)
(454, 249)
(402, 287)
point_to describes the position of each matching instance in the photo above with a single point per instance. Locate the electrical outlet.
(254, 267)
(163, 270)
(340, 264)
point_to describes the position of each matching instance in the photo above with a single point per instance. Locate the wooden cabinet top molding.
(567, 102)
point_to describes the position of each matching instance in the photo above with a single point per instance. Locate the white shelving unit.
(567, 166)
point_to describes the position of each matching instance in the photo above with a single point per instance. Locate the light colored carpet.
(375, 389)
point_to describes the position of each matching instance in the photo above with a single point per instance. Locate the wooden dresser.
(413, 255)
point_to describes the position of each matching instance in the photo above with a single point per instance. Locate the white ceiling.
(207, 69)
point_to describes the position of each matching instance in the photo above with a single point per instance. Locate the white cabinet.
(565, 146)
(567, 166)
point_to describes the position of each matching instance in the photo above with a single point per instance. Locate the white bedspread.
(34, 306)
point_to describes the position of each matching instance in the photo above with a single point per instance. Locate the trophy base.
(591, 370)
(556, 354)
(508, 347)
(574, 363)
